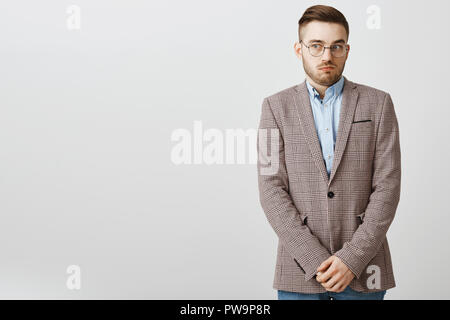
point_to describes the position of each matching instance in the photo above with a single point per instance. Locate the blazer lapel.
(306, 118)
(348, 106)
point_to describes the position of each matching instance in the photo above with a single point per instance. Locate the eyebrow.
(337, 41)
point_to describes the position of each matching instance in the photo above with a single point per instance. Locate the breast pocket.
(360, 127)
(361, 144)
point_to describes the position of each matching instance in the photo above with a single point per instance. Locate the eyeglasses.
(318, 49)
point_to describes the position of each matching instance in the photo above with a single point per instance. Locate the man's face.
(329, 34)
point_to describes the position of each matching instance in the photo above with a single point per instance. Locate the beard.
(324, 78)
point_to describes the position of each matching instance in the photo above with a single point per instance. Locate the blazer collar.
(306, 119)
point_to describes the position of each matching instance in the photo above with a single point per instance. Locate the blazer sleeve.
(383, 201)
(276, 201)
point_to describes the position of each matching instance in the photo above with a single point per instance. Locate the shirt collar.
(333, 91)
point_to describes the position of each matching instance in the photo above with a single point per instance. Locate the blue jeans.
(347, 294)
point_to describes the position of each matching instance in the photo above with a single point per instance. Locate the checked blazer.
(346, 214)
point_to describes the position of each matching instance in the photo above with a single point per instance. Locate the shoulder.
(371, 93)
(373, 99)
(282, 102)
(281, 96)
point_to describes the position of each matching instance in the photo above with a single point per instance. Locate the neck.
(320, 88)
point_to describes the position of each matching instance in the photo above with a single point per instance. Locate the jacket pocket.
(362, 126)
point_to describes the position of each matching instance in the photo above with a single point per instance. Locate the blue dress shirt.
(326, 118)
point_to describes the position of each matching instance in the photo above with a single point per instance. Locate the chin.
(326, 79)
(325, 76)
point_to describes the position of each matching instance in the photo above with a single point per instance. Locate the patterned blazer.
(346, 214)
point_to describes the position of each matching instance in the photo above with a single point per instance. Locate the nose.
(326, 55)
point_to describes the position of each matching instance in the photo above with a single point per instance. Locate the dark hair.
(322, 13)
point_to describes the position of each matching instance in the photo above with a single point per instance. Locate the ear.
(298, 49)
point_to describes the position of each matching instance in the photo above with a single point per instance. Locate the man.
(334, 183)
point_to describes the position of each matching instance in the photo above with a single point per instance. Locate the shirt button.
(329, 156)
(326, 129)
(330, 194)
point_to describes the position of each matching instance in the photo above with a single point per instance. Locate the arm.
(383, 201)
(276, 201)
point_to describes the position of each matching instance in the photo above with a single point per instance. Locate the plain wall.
(87, 115)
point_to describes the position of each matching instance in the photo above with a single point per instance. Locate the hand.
(334, 275)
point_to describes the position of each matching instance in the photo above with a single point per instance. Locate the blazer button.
(330, 194)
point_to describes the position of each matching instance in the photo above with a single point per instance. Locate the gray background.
(85, 143)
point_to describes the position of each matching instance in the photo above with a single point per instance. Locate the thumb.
(324, 265)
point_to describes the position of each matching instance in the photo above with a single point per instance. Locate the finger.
(326, 275)
(345, 283)
(324, 265)
(337, 287)
(317, 276)
(331, 282)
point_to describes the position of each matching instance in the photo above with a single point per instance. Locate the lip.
(327, 68)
